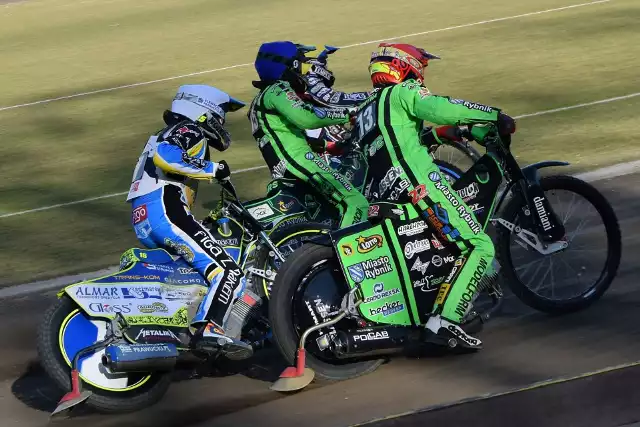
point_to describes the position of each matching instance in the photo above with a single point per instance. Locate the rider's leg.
(439, 204)
(173, 227)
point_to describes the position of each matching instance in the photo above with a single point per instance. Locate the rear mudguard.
(150, 302)
(532, 176)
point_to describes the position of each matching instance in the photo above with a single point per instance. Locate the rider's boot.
(211, 338)
(442, 332)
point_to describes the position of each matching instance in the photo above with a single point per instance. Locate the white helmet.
(207, 106)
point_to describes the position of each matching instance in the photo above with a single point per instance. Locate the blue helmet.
(274, 59)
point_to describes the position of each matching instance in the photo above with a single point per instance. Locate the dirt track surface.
(521, 347)
(577, 402)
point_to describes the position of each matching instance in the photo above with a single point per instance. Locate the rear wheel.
(64, 331)
(308, 286)
(287, 239)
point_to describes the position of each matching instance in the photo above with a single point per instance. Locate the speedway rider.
(279, 118)
(389, 124)
(162, 194)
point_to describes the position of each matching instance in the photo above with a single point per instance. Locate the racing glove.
(222, 170)
(506, 125)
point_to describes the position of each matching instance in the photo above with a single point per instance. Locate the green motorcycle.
(340, 303)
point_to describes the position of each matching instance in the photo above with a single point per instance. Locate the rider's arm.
(177, 154)
(286, 102)
(324, 95)
(442, 110)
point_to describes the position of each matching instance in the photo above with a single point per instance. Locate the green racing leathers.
(401, 170)
(278, 119)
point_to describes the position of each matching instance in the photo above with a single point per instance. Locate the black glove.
(222, 170)
(506, 125)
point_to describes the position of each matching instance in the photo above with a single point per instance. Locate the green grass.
(87, 146)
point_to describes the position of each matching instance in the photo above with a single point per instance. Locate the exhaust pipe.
(140, 357)
(380, 340)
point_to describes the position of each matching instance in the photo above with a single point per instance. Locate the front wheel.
(309, 285)
(590, 262)
(65, 330)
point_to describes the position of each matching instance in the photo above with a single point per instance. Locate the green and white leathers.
(401, 170)
(278, 118)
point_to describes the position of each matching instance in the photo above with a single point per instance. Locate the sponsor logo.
(98, 307)
(469, 192)
(420, 266)
(184, 281)
(398, 190)
(376, 267)
(389, 179)
(183, 130)
(97, 292)
(387, 309)
(425, 284)
(156, 335)
(472, 287)
(436, 260)
(476, 208)
(312, 312)
(139, 214)
(444, 189)
(159, 267)
(370, 269)
(462, 336)
(377, 144)
(181, 249)
(261, 211)
(418, 193)
(380, 293)
(336, 175)
(228, 242)
(456, 101)
(411, 229)
(434, 176)
(415, 247)
(436, 243)
(542, 213)
(371, 336)
(440, 221)
(209, 243)
(356, 96)
(309, 155)
(369, 243)
(347, 249)
(356, 272)
(442, 293)
(468, 218)
(476, 106)
(136, 277)
(284, 207)
(279, 169)
(178, 294)
(185, 270)
(231, 280)
(156, 307)
(141, 292)
(452, 273)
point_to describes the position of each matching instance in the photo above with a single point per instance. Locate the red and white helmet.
(395, 63)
